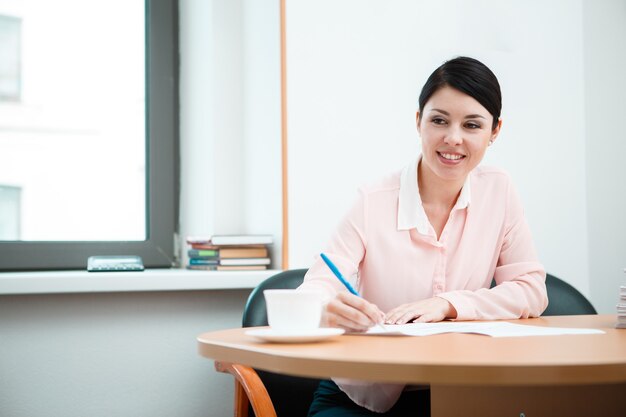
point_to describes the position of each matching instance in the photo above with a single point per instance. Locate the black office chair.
(263, 393)
(565, 300)
(255, 313)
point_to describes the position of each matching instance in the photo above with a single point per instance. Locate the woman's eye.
(438, 121)
(472, 125)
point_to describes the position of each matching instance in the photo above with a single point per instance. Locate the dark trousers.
(330, 401)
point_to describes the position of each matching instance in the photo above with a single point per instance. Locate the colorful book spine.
(203, 253)
(197, 261)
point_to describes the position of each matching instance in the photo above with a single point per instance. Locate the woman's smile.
(450, 158)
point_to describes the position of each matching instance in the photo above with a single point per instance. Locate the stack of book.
(621, 308)
(229, 252)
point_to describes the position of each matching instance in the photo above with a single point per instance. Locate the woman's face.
(455, 131)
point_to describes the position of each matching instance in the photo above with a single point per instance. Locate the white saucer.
(283, 336)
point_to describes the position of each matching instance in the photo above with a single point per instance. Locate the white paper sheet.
(490, 328)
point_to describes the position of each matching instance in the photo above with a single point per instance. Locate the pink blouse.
(390, 249)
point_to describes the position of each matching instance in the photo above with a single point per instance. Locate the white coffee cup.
(293, 310)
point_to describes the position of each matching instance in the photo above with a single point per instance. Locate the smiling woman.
(90, 142)
(426, 241)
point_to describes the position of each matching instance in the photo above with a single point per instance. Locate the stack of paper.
(621, 308)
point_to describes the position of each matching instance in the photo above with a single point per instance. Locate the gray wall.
(122, 355)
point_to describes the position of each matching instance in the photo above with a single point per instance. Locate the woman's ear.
(495, 132)
(417, 122)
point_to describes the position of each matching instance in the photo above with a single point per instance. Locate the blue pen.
(340, 277)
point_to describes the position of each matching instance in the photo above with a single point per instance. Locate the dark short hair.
(469, 76)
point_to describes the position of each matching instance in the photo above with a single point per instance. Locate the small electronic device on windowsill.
(114, 263)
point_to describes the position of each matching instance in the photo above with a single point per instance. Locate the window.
(10, 39)
(88, 132)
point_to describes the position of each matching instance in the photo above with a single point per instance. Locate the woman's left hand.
(423, 311)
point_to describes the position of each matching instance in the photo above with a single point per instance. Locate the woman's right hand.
(352, 313)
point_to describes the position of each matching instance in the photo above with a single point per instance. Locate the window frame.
(162, 167)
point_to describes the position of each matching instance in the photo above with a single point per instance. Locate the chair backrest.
(563, 299)
(290, 395)
(255, 314)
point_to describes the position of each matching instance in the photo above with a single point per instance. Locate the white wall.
(604, 27)
(355, 69)
(197, 209)
(230, 119)
(262, 121)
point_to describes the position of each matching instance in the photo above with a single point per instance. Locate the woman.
(426, 242)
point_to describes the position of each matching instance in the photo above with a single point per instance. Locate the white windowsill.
(57, 282)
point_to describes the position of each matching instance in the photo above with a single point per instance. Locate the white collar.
(411, 213)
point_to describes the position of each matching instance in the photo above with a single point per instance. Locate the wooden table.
(469, 374)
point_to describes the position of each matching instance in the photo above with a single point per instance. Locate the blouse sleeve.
(520, 290)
